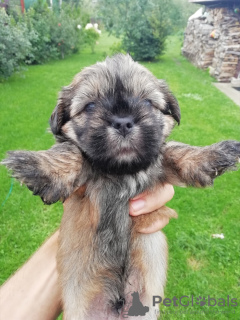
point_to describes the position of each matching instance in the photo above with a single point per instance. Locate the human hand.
(148, 202)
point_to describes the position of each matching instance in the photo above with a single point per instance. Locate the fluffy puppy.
(111, 125)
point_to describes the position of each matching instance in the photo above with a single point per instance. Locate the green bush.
(14, 45)
(57, 32)
(143, 42)
(142, 25)
(66, 36)
(117, 47)
(91, 37)
(38, 35)
(41, 19)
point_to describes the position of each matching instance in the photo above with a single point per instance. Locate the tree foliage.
(143, 25)
(38, 35)
(14, 46)
(91, 37)
(57, 32)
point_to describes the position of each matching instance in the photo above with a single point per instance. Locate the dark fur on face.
(111, 124)
(119, 126)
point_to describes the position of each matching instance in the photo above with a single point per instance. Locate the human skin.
(33, 292)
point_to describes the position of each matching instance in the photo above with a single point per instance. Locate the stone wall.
(212, 39)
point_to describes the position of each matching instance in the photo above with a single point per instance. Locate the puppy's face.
(117, 113)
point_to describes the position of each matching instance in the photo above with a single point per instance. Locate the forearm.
(33, 292)
(198, 166)
(53, 174)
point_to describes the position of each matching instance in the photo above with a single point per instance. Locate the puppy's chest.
(113, 192)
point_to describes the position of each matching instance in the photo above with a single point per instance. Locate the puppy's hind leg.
(149, 255)
(149, 269)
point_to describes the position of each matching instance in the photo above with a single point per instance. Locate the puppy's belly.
(147, 278)
(82, 276)
(98, 312)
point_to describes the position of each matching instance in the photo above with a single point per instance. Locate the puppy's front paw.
(225, 156)
(26, 166)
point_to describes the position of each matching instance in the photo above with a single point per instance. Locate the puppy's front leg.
(199, 166)
(52, 174)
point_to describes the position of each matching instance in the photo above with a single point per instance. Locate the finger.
(150, 201)
(156, 226)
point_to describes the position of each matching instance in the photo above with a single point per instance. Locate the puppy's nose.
(123, 125)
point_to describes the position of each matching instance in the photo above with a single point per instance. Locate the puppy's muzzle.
(123, 125)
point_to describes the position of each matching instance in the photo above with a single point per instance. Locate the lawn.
(199, 265)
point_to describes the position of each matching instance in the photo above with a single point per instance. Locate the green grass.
(198, 264)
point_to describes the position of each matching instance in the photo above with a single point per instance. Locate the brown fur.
(111, 125)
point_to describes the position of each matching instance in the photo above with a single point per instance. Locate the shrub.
(38, 35)
(117, 47)
(143, 25)
(66, 36)
(143, 42)
(91, 37)
(57, 32)
(41, 19)
(14, 45)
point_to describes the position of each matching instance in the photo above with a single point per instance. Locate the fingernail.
(137, 204)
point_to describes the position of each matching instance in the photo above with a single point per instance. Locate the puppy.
(111, 125)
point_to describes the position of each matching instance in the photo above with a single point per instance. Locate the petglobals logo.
(187, 301)
(135, 308)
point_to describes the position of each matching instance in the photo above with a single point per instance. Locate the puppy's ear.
(171, 107)
(61, 113)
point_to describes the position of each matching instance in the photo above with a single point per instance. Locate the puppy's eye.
(148, 103)
(90, 107)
